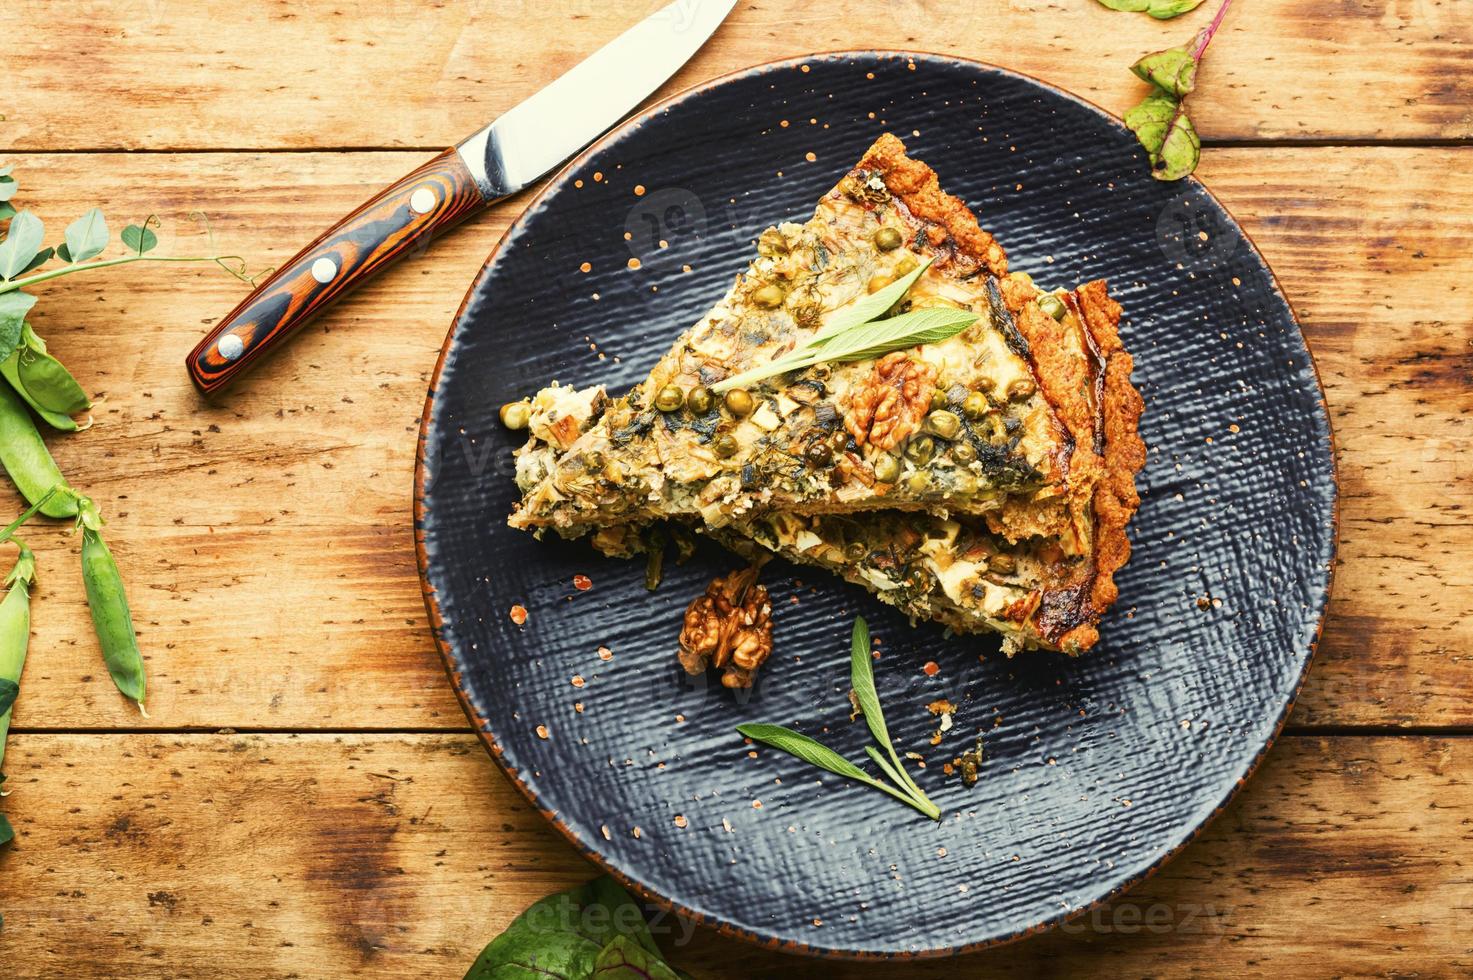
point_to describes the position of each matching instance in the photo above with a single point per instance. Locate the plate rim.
(482, 725)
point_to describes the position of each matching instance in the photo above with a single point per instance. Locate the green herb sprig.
(856, 333)
(1160, 120)
(815, 753)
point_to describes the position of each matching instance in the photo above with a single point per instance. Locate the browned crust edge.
(916, 186)
(1124, 452)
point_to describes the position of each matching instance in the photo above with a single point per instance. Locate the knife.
(511, 153)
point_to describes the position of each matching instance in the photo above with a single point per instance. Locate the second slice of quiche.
(957, 426)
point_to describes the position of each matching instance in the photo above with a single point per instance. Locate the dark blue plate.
(1096, 769)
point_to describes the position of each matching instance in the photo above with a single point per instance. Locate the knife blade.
(512, 152)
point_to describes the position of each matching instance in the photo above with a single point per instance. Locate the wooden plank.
(271, 528)
(277, 73)
(319, 856)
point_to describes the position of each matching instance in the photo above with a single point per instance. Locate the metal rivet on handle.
(231, 346)
(324, 269)
(421, 200)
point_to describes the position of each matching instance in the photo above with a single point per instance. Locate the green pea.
(975, 406)
(669, 399)
(944, 424)
(887, 468)
(964, 452)
(1020, 388)
(938, 399)
(700, 400)
(15, 634)
(739, 402)
(920, 450)
(918, 481)
(819, 453)
(887, 239)
(27, 460)
(111, 619)
(726, 445)
(855, 551)
(516, 415)
(1052, 305)
(768, 296)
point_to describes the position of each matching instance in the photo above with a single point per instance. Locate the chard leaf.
(562, 936)
(86, 237)
(21, 244)
(1174, 71)
(1161, 124)
(625, 959)
(811, 751)
(13, 309)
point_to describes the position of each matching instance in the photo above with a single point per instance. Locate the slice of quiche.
(958, 426)
(1043, 589)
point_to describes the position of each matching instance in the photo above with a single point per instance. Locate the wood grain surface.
(355, 827)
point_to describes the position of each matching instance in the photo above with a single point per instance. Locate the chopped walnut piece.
(729, 626)
(892, 402)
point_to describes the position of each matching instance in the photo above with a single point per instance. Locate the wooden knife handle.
(385, 228)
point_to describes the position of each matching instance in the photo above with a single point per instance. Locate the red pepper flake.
(680, 821)
(578, 680)
(578, 706)
(582, 583)
(604, 653)
(542, 732)
(931, 668)
(518, 614)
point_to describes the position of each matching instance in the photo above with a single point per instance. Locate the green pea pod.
(111, 620)
(10, 371)
(27, 460)
(50, 384)
(15, 633)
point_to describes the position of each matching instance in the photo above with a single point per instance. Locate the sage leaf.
(140, 238)
(625, 959)
(14, 306)
(86, 237)
(1161, 124)
(862, 679)
(810, 750)
(1173, 71)
(21, 244)
(868, 308)
(563, 935)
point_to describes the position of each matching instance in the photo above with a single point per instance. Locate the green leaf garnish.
(815, 753)
(1160, 121)
(140, 238)
(868, 308)
(8, 690)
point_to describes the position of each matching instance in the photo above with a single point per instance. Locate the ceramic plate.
(1096, 769)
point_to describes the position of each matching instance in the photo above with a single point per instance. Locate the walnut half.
(729, 626)
(892, 402)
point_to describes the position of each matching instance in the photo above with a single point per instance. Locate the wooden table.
(306, 798)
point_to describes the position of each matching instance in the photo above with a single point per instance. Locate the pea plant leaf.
(8, 691)
(13, 309)
(21, 244)
(7, 833)
(140, 238)
(86, 237)
(1165, 130)
(39, 259)
(8, 186)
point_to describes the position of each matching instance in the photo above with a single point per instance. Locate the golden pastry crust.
(953, 234)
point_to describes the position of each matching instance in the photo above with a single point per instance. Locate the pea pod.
(15, 634)
(47, 381)
(111, 620)
(10, 371)
(28, 461)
